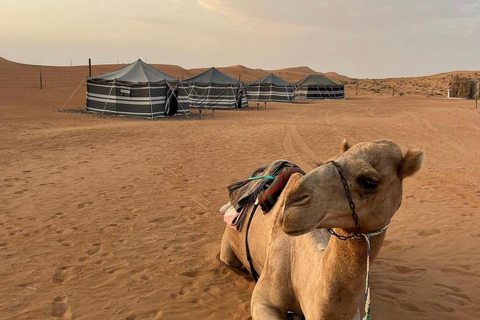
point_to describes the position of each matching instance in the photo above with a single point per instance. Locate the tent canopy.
(271, 79)
(214, 89)
(271, 88)
(317, 86)
(316, 79)
(137, 72)
(212, 76)
(136, 90)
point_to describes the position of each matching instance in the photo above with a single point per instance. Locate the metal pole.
(41, 85)
(89, 67)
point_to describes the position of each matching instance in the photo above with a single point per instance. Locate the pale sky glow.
(371, 38)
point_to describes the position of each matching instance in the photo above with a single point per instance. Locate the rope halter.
(358, 235)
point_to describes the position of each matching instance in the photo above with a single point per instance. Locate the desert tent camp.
(136, 90)
(214, 89)
(317, 86)
(271, 88)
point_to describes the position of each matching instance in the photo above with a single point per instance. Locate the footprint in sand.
(61, 308)
(95, 249)
(425, 233)
(142, 275)
(439, 307)
(17, 179)
(186, 288)
(111, 225)
(66, 243)
(84, 204)
(411, 308)
(160, 220)
(65, 273)
(395, 290)
(58, 215)
(154, 314)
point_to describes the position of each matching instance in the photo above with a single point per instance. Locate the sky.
(364, 39)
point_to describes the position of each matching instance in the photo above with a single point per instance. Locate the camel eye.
(368, 183)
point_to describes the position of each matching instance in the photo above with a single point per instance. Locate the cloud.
(358, 38)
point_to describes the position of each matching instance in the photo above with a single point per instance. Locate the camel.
(302, 268)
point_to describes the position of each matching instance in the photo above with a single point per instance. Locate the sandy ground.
(106, 218)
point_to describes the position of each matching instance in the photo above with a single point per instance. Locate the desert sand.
(113, 218)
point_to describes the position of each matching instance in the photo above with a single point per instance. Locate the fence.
(51, 77)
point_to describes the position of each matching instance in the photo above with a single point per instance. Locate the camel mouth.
(294, 233)
(299, 232)
(299, 201)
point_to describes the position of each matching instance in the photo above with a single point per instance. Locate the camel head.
(374, 172)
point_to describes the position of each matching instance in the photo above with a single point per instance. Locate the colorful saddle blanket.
(266, 183)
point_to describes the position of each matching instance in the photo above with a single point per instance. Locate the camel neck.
(345, 266)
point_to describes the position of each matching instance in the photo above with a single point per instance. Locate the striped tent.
(213, 89)
(271, 88)
(136, 90)
(317, 86)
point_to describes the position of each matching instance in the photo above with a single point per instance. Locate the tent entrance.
(239, 101)
(172, 102)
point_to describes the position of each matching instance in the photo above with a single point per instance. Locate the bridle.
(358, 231)
(358, 235)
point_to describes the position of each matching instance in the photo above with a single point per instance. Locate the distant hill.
(246, 74)
(436, 84)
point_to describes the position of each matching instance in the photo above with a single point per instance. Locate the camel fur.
(302, 268)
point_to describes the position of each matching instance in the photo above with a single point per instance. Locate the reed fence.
(44, 78)
(463, 87)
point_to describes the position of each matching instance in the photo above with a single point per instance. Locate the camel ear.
(345, 145)
(411, 163)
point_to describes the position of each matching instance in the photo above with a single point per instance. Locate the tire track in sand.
(295, 146)
(305, 157)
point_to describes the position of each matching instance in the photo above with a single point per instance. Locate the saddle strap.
(249, 257)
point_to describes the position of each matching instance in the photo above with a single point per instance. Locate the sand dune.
(106, 218)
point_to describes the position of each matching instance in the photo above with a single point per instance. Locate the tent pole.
(150, 96)
(167, 102)
(270, 96)
(234, 96)
(105, 106)
(259, 92)
(195, 92)
(328, 92)
(208, 95)
(178, 101)
(86, 100)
